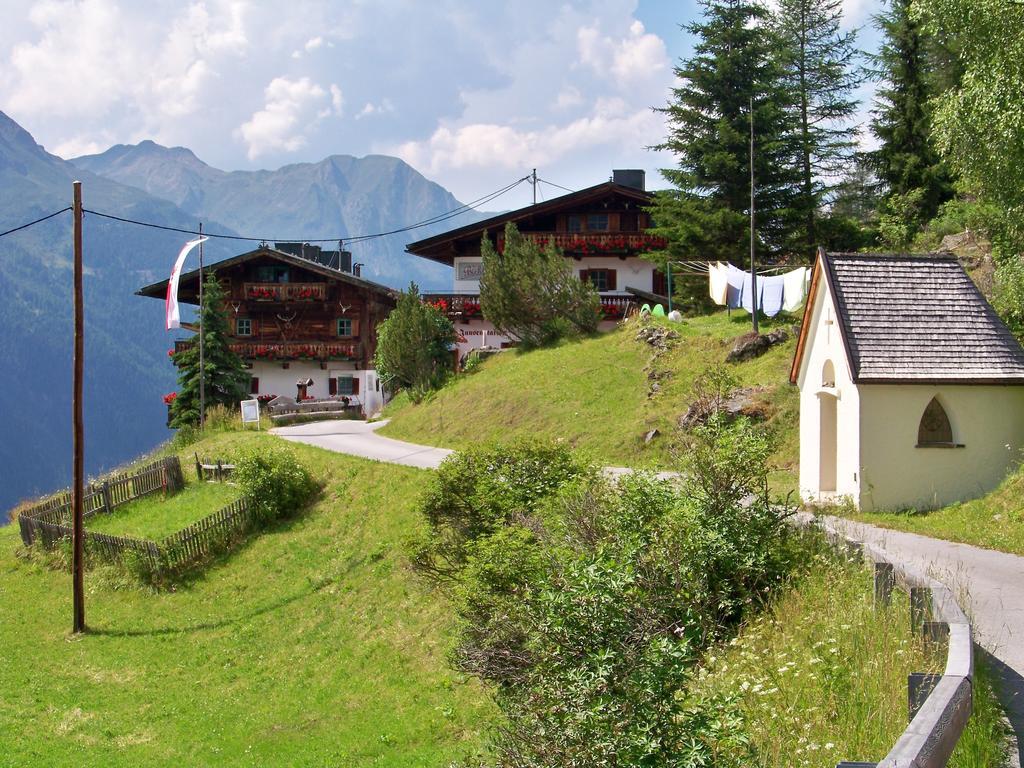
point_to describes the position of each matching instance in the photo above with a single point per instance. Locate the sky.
(474, 94)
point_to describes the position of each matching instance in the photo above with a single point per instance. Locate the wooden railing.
(595, 242)
(284, 291)
(466, 306)
(940, 705)
(310, 350)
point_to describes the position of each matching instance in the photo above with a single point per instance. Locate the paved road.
(359, 438)
(989, 584)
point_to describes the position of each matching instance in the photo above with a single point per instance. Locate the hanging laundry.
(794, 288)
(734, 278)
(749, 301)
(718, 280)
(771, 294)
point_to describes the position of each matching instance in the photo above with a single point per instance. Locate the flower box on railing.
(285, 291)
(590, 243)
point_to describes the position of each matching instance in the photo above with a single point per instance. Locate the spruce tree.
(915, 180)
(819, 73)
(706, 215)
(226, 380)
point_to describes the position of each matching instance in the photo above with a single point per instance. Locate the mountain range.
(127, 370)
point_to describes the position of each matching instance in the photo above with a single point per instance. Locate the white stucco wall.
(629, 273)
(824, 343)
(276, 380)
(987, 419)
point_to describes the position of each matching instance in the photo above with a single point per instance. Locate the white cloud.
(290, 109)
(489, 145)
(638, 56)
(78, 146)
(568, 97)
(337, 101)
(313, 43)
(375, 109)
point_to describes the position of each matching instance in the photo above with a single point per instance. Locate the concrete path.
(989, 584)
(359, 438)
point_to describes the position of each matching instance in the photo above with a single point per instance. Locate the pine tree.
(414, 346)
(530, 293)
(915, 180)
(226, 380)
(706, 216)
(818, 70)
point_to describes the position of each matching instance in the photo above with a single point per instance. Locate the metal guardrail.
(938, 723)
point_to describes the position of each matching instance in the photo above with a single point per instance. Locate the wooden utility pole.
(77, 439)
(753, 271)
(202, 363)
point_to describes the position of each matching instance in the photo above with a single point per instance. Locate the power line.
(37, 221)
(347, 239)
(559, 186)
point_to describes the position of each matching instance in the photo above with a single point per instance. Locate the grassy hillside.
(594, 394)
(995, 521)
(310, 645)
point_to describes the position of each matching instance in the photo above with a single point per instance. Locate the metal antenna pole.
(534, 182)
(668, 263)
(202, 356)
(753, 271)
(77, 440)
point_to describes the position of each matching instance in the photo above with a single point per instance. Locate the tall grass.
(823, 675)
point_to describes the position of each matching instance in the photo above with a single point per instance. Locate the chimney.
(630, 178)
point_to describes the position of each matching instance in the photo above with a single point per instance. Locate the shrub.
(477, 491)
(275, 481)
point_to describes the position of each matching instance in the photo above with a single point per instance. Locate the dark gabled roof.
(596, 192)
(918, 319)
(159, 290)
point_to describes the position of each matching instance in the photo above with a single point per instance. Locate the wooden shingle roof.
(919, 319)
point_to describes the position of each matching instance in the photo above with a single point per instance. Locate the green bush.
(477, 491)
(275, 481)
(588, 602)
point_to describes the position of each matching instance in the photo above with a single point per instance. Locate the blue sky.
(471, 93)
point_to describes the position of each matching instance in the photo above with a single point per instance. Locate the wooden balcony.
(595, 243)
(312, 350)
(284, 291)
(464, 306)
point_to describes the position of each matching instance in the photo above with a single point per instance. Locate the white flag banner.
(173, 316)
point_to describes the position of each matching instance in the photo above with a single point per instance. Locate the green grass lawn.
(995, 521)
(156, 517)
(822, 677)
(593, 393)
(310, 645)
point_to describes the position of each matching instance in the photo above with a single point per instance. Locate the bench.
(208, 471)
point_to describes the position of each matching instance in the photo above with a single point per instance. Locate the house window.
(243, 326)
(343, 385)
(934, 430)
(344, 326)
(272, 274)
(254, 385)
(601, 279)
(597, 222)
(828, 374)
(574, 223)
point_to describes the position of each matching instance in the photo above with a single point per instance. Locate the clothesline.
(735, 288)
(696, 268)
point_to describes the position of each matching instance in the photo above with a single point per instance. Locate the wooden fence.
(47, 519)
(49, 522)
(203, 537)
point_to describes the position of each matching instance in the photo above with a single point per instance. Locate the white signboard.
(251, 412)
(469, 270)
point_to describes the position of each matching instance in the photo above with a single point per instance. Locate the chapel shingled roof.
(919, 319)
